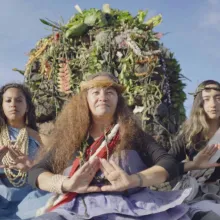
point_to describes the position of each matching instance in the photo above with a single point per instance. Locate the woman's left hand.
(118, 178)
(201, 160)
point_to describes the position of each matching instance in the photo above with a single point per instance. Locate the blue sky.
(194, 27)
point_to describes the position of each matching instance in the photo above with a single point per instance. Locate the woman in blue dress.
(19, 144)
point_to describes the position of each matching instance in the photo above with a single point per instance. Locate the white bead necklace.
(16, 177)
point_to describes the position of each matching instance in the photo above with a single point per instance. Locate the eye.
(205, 99)
(110, 91)
(95, 92)
(8, 100)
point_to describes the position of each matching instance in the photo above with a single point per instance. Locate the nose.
(13, 103)
(213, 102)
(102, 95)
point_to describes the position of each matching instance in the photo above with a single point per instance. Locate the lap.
(207, 206)
(206, 216)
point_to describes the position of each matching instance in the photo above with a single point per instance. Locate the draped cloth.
(195, 179)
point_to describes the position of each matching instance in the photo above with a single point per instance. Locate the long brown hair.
(72, 125)
(196, 128)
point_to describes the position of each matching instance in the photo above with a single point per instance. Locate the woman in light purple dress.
(113, 162)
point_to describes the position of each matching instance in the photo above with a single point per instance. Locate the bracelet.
(140, 180)
(57, 182)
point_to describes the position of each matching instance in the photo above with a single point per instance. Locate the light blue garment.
(11, 197)
(31, 203)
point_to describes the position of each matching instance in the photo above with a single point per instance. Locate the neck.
(99, 125)
(214, 126)
(16, 124)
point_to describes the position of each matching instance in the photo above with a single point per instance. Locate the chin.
(103, 113)
(213, 117)
(12, 118)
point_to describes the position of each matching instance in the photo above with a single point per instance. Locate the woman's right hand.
(81, 179)
(201, 160)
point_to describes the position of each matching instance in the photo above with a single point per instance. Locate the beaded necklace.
(16, 177)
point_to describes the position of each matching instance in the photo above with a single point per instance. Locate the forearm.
(152, 176)
(184, 167)
(190, 165)
(48, 181)
(44, 181)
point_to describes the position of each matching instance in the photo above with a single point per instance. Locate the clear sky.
(194, 27)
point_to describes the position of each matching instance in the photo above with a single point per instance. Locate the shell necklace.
(16, 177)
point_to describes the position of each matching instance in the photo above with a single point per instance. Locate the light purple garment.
(139, 203)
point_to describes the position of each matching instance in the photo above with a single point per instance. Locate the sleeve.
(45, 165)
(153, 154)
(178, 151)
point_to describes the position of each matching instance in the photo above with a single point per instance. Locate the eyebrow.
(110, 88)
(15, 97)
(106, 88)
(207, 96)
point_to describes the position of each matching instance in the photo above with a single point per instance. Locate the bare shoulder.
(34, 134)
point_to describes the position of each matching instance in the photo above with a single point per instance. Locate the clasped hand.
(21, 161)
(80, 181)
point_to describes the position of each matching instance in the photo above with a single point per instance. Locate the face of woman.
(211, 102)
(102, 101)
(14, 104)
